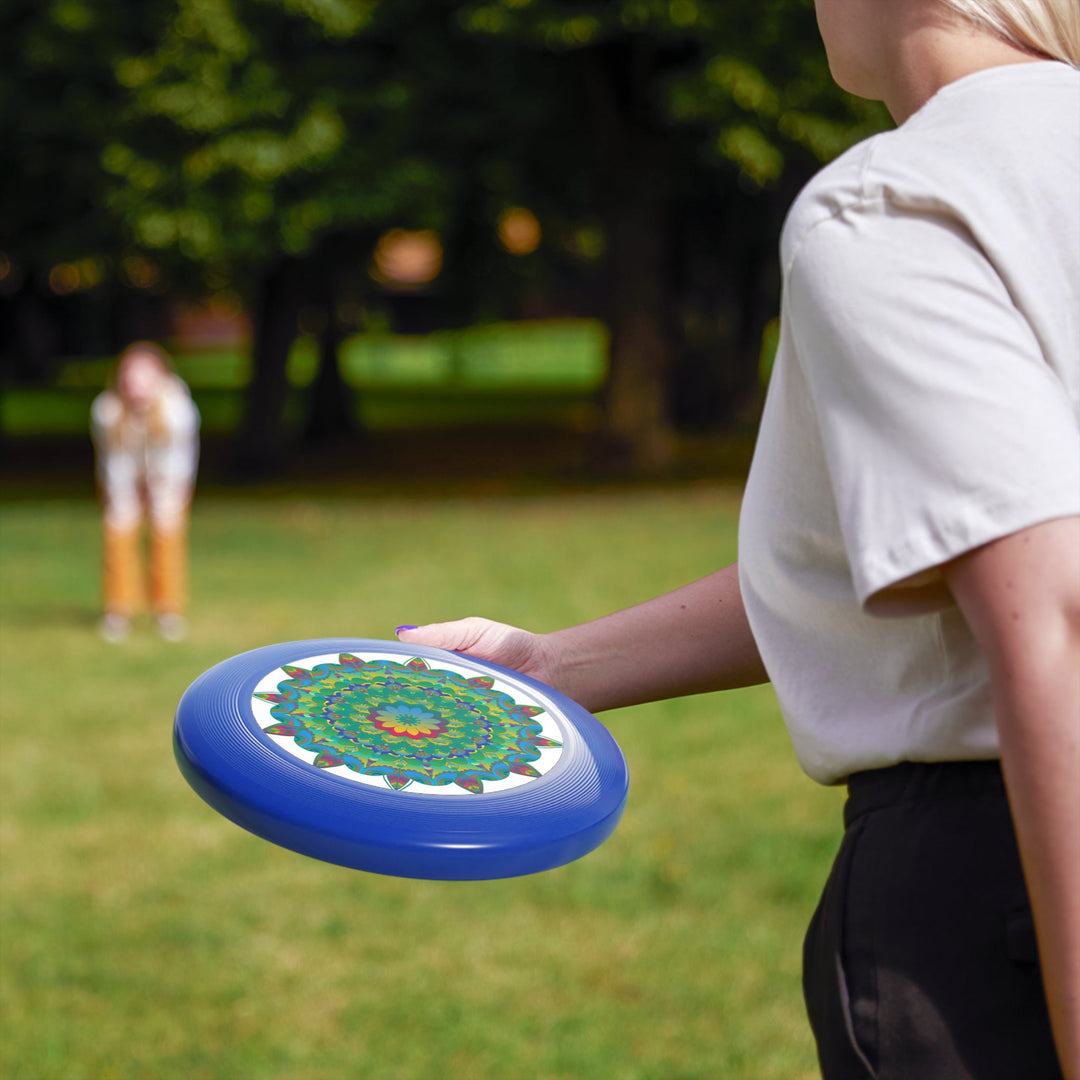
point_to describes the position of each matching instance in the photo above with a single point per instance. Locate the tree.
(262, 146)
(59, 107)
(688, 108)
(278, 139)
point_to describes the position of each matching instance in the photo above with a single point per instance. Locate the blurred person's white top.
(925, 400)
(146, 462)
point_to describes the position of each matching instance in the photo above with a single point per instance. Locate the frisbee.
(400, 759)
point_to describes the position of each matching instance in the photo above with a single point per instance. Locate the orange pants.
(124, 584)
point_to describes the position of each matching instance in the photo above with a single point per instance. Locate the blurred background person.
(146, 437)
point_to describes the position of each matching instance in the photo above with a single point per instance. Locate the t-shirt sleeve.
(943, 424)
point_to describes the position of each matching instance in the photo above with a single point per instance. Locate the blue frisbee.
(400, 759)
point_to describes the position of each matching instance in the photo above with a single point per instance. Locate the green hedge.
(513, 372)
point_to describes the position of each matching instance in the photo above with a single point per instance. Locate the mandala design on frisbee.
(403, 724)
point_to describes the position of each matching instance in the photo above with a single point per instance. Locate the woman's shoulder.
(832, 191)
(996, 142)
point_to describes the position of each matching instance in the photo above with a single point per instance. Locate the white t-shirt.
(925, 400)
(146, 461)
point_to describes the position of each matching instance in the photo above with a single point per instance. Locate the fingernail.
(398, 629)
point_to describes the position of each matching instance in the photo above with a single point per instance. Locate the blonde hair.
(1048, 27)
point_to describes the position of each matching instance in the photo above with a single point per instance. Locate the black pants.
(920, 961)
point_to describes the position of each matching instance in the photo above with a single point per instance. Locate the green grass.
(144, 936)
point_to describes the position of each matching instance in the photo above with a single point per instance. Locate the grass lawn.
(143, 936)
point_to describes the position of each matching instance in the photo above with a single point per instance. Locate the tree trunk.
(260, 449)
(637, 426)
(331, 416)
(635, 190)
(727, 283)
(35, 337)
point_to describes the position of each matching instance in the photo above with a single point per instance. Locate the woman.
(909, 574)
(145, 430)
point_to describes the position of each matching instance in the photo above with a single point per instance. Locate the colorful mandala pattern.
(407, 723)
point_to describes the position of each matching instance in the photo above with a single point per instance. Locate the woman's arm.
(1021, 598)
(689, 641)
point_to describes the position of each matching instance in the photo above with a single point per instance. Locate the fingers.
(508, 646)
(483, 638)
(457, 636)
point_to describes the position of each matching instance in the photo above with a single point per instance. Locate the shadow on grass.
(422, 463)
(46, 616)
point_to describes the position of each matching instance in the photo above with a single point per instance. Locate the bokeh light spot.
(407, 259)
(140, 272)
(519, 231)
(64, 279)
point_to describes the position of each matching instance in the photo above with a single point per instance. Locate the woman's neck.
(930, 53)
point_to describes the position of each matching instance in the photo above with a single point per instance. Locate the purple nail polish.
(398, 629)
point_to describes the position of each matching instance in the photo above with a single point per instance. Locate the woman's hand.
(531, 654)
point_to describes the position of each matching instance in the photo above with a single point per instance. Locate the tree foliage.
(263, 146)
